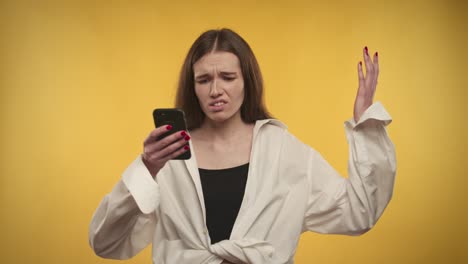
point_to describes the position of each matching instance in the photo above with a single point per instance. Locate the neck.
(225, 130)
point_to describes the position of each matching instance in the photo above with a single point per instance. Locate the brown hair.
(253, 107)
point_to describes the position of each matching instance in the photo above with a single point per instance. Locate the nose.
(215, 91)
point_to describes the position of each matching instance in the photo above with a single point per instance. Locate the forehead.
(219, 60)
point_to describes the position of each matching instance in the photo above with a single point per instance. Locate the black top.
(223, 191)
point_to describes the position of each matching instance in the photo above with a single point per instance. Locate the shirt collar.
(271, 121)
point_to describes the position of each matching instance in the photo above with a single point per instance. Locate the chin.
(220, 117)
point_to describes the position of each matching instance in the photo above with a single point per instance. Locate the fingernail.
(186, 147)
(376, 54)
(367, 51)
(183, 133)
(360, 63)
(168, 127)
(187, 138)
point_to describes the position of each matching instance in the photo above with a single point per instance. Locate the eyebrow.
(204, 75)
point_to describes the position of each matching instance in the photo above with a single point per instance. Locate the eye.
(229, 79)
(202, 81)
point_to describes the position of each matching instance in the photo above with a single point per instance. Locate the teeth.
(219, 103)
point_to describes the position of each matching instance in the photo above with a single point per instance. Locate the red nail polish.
(367, 51)
(186, 147)
(376, 54)
(187, 138)
(183, 133)
(360, 63)
(168, 127)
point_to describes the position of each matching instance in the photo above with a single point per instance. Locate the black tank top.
(223, 191)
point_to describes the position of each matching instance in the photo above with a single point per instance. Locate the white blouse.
(290, 189)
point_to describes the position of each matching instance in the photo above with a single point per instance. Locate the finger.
(369, 83)
(376, 72)
(166, 141)
(167, 151)
(368, 63)
(362, 81)
(157, 133)
(158, 155)
(360, 75)
(177, 153)
(376, 65)
(376, 60)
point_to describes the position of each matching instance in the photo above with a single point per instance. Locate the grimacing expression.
(219, 85)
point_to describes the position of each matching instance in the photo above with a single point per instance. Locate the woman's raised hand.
(367, 84)
(157, 152)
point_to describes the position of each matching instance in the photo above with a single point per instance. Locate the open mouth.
(218, 103)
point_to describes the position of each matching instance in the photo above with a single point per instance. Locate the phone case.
(176, 118)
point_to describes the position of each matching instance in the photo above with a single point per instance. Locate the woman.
(250, 188)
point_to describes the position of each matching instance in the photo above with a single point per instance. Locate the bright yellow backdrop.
(79, 80)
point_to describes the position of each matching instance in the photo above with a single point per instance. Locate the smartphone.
(174, 117)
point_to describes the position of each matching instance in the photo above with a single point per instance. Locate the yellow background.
(80, 79)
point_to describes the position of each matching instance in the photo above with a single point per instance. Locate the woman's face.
(219, 85)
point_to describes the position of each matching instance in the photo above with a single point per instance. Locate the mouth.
(217, 105)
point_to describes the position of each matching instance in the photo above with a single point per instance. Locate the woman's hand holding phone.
(158, 151)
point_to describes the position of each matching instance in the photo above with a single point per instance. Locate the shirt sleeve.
(124, 221)
(352, 206)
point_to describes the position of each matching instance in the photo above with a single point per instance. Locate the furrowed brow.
(228, 73)
(201, 76)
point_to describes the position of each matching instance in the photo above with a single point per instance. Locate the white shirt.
(290, 189)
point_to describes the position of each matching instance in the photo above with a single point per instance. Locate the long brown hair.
(253, 107)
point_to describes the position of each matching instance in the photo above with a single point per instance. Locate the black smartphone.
(174, 117)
